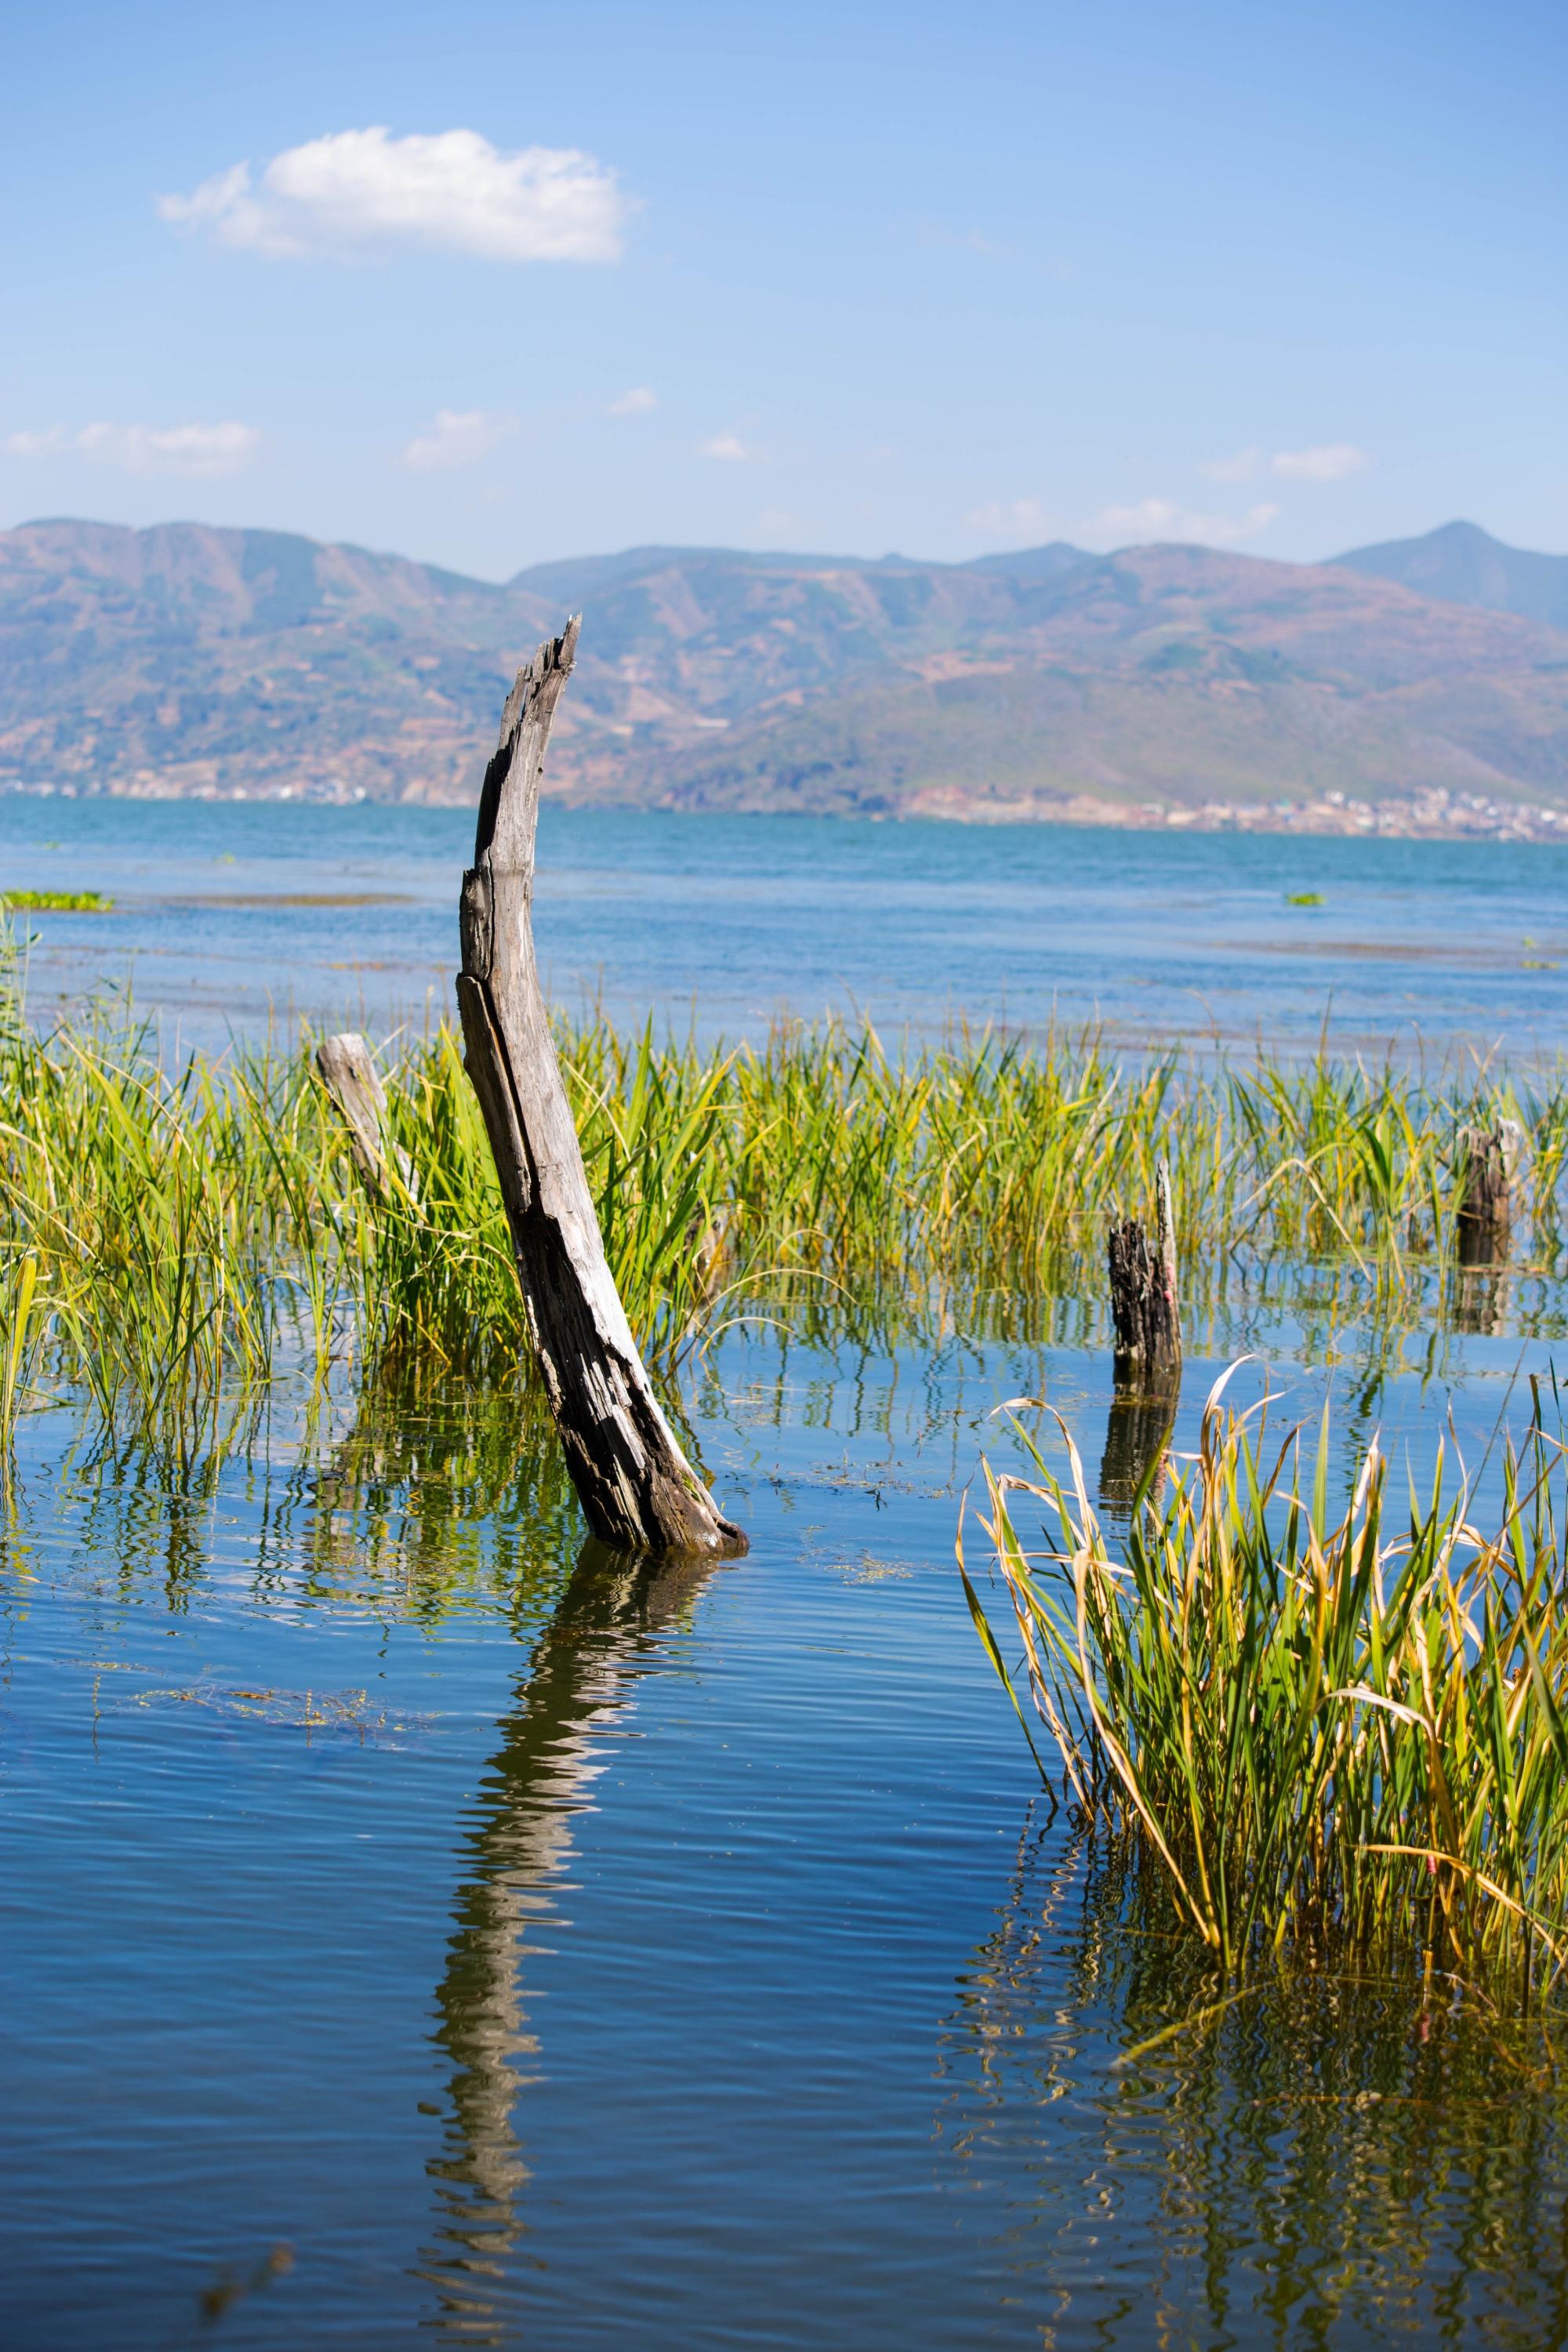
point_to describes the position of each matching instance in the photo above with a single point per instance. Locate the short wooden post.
(1145, 1318)
(636, 1486)
(351, 1078)
(1490, 1160)
(1146, 1359)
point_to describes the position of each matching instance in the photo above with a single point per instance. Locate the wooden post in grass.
(351, 1078)
(1145, 1319)
(636, 1486)
(1146, 1360)
(1489, 1160)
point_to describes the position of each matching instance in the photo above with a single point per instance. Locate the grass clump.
(1316, 1727)
(57, 902)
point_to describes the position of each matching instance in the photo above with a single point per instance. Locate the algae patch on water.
(57, 902)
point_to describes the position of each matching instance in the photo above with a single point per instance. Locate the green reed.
(188, 1223)
(1314, 1725)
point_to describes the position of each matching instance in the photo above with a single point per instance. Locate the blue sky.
(852, 277)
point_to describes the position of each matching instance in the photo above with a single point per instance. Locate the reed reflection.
(1334, 2157)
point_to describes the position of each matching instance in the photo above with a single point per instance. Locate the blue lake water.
(731, 918)
(541, 1961)
(410, 1933)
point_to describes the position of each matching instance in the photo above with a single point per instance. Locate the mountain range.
(187, 659)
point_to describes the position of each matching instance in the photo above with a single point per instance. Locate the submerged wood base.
(1138, 1432)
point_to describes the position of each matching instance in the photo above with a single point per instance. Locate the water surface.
(230, 913)
(544, 1956)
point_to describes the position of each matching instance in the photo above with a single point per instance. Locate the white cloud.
(971, 240)
(730, 449)
(197, 451)
(1021, 518)
(1330, 462)
(1240, 469)
(1163, 519)
(459, 437)
(634, 402)
(362, 192)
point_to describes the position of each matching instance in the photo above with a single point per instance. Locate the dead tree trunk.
(639, 1492)
(1490, 1160)
(1145, 1320)
(350, 1077)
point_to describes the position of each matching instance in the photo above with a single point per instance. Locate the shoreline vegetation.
(190, 1226)
(201, 1224)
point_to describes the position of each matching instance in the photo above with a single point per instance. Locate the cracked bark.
(637, 1489)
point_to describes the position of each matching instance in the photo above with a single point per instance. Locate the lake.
(228, 914)
(413, 1931)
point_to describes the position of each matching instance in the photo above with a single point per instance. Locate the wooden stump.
(351, 1078)
(1145, 1318)
(636, 1486)
(1490, 1160)
(1146, 1359)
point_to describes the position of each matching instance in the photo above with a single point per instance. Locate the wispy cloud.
(634, 402)
(1163, 519)
(357, 192)
(1330, 462)
(459, 437)
(1020, 519)
(964, 240)
(197, 451)
(730, 450)
(1243, 467)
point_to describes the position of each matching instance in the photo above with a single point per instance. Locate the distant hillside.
(187, 659)
(1463, 564)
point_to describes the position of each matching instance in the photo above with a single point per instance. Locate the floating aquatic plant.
(57, 902)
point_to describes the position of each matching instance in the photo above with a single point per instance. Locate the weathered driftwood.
(351, 1078)
(639, 1492)
(1489, 1162)
(1145, 1319)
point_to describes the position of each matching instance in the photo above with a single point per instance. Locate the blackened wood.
(636, 1486)
(351, 1078)
(1490, 1160)
(1145, 1319)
